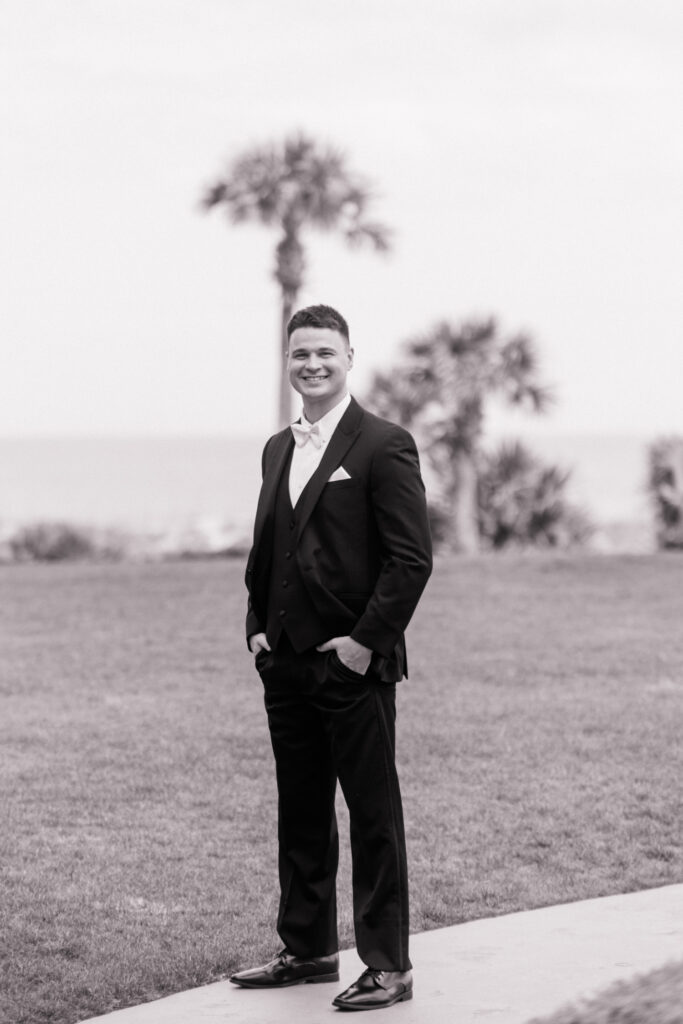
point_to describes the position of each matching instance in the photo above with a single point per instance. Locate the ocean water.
(160, 483)
(139, 483)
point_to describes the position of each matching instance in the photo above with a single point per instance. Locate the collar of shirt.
(305, 460)
(328, 423)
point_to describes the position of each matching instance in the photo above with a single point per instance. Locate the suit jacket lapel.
(344, 436)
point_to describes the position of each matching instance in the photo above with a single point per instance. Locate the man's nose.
(313, 363)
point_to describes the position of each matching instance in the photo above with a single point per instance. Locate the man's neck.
(314, 411)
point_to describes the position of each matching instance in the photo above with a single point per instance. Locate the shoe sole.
(314, 979)
(403, 998)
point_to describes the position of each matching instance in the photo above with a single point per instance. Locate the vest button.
(285, 583)
(292, 524)
(288, 554)
(282, 613)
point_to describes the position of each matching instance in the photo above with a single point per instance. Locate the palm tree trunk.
(284, 412)
(289, 271)
(464, 526)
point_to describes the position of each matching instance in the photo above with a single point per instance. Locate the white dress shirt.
(305, 460)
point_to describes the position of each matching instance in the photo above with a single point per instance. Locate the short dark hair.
(318, 316)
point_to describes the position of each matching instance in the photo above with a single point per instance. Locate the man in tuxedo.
(341, 555)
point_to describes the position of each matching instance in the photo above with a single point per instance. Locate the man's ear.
(350, 354)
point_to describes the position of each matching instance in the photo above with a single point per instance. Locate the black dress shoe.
(376, 989)
(287, 969)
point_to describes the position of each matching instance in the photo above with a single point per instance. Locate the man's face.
(318, 361)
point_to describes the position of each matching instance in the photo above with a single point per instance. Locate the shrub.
(665, 483)
(51, 542)
(522, 502)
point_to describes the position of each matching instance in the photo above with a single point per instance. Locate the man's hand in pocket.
(350, 653)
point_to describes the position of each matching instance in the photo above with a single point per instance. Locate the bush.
(665, 484)
(51, 542)
(522, 502)
(64, 542)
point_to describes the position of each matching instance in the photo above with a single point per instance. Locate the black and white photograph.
(341, 511)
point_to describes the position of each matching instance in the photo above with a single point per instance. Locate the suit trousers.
(326, 723)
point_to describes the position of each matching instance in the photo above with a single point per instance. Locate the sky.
(528, 156)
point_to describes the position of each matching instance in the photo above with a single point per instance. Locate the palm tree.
(440, 390)
(291, 186)
(522, 502)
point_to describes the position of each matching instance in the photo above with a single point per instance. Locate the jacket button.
(282, 613)
(292, 524)
(285, 583)
(288, 554)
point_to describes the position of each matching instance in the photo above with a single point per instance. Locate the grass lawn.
(654, 998)
(539, 749)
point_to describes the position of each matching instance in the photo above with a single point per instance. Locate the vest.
(290, 608)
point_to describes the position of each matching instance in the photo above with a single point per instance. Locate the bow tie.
(303, 433)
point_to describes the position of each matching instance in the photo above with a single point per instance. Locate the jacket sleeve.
(400, 510)
(253, 623)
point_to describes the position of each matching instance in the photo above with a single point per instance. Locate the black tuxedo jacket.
(362, 544)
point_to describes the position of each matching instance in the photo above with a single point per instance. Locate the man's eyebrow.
(319, 349)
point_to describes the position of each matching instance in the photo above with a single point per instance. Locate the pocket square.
(339, 474)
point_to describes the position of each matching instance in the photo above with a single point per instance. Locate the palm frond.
(296, 183)
(377, 235)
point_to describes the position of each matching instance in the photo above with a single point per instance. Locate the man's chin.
(315, 391)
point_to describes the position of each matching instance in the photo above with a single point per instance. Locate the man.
(340, 558)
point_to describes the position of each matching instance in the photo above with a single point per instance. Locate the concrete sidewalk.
(502, 970)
